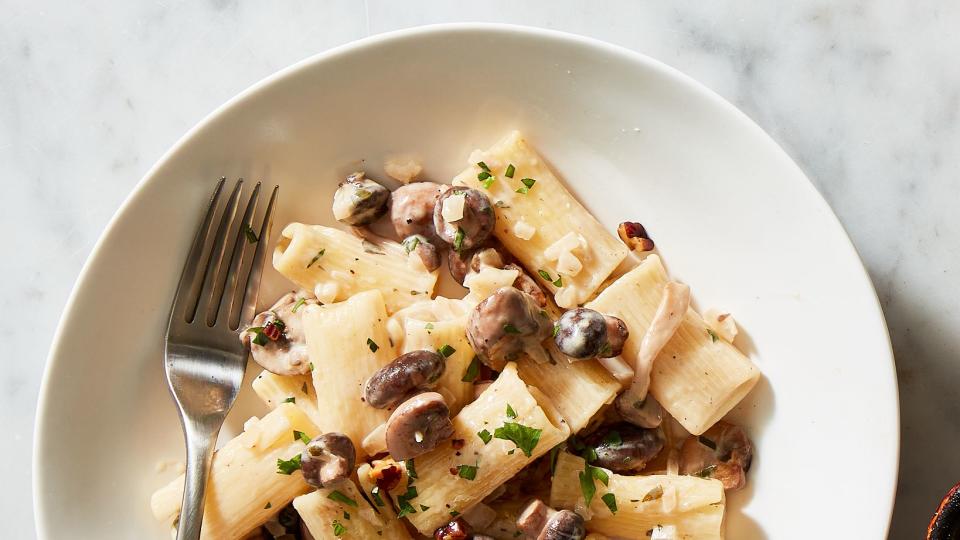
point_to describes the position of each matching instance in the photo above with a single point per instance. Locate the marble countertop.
(864, 95)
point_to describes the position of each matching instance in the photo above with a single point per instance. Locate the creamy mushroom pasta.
(570, 392)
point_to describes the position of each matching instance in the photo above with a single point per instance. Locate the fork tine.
(256, 268)
(213, 281)
(238, 262)
(194, 269)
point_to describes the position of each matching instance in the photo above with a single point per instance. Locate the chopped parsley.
(546, 275)
(375, 493)
(411, 471)
(268, 506)
(613, 438)
(472, 372)
(713, 335)
(258, 336)
(301, 436)
(289, 465)
(510, 329)
(706, 472)
(589, 454)
(467, 472)
(300, 302)
(510, 170)
(338, 528)
(527, 184)
(403, 501)
(428, 326)
(501, 204)
(373, 345)
(600, 475)
(488, 182)
(485, 436)
(610, 500)
(587, 487)
(446, 350)
(339, 497)
(290, 400)
(510, 412)
(458, 240)
(316, 258)
(304, 387)
(526, 438)
(311, 369)
(251, 236)
(424, 508)
(483, 166)
(454, 513)
(554, 454)
(410, 243)
(707, 442)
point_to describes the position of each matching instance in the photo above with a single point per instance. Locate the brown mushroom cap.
(427, 251)
(581, 333)
(723, 452)
(617, 334)
(473, 229)
(359, 200)
(394, 381)
(527, 284)
(505, 324)
(327, 458)
(411, 210)
(564, 525)
(286, 355)
(418, 425)
(625, 448)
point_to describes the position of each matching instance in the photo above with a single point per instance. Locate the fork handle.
(201, 441)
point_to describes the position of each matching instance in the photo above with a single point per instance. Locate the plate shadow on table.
(927, 353)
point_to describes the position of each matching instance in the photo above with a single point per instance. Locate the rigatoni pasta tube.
(453, 479)
(244, 477)
(577, 389)
(275, 390)
(340, 512)
(336, 265)
(693, 505)
(544, 226)
(696, 378)
(347, 343)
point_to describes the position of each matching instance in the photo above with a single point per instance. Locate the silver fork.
(205, 360)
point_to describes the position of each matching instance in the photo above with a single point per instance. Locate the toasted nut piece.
(635, 236)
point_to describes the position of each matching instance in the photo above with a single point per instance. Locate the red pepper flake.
(454, 471)
(457, 444)
(272, 331)
(387, 477)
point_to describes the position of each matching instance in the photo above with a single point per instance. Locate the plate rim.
(67, 314)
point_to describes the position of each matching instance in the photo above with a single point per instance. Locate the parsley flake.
(339, 497)
(446, 351)
(300, 302)
(510, 412)
(458, 239)
(467, 472)
(713, 335)
(587, 486)
(289, 465)
(338, 528)
(485, 436)
(316, 258)
(610, 500)
(510, 329)
(510, 170)
(301, 436)
(251, 236)
(373, 345)
(375, 493)
(472, 372)
(411, 470)
(290, 400)
(268, 506)
(526, 438)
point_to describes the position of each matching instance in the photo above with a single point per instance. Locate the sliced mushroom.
(418, 425)
(428, 253)
(359, 200)
(505, 324)
(454, 530)
(670, 312)
(275, 337)
(537, 520)
(415, 370)
(528, 285)
(470, 224)
(585, 333)
(624, 448)
(327, 458)
(411, 210)
(635, 236)
(723, 452)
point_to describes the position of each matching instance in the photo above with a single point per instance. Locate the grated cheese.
(523, 230)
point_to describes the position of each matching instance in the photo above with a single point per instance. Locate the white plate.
(731, 214)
